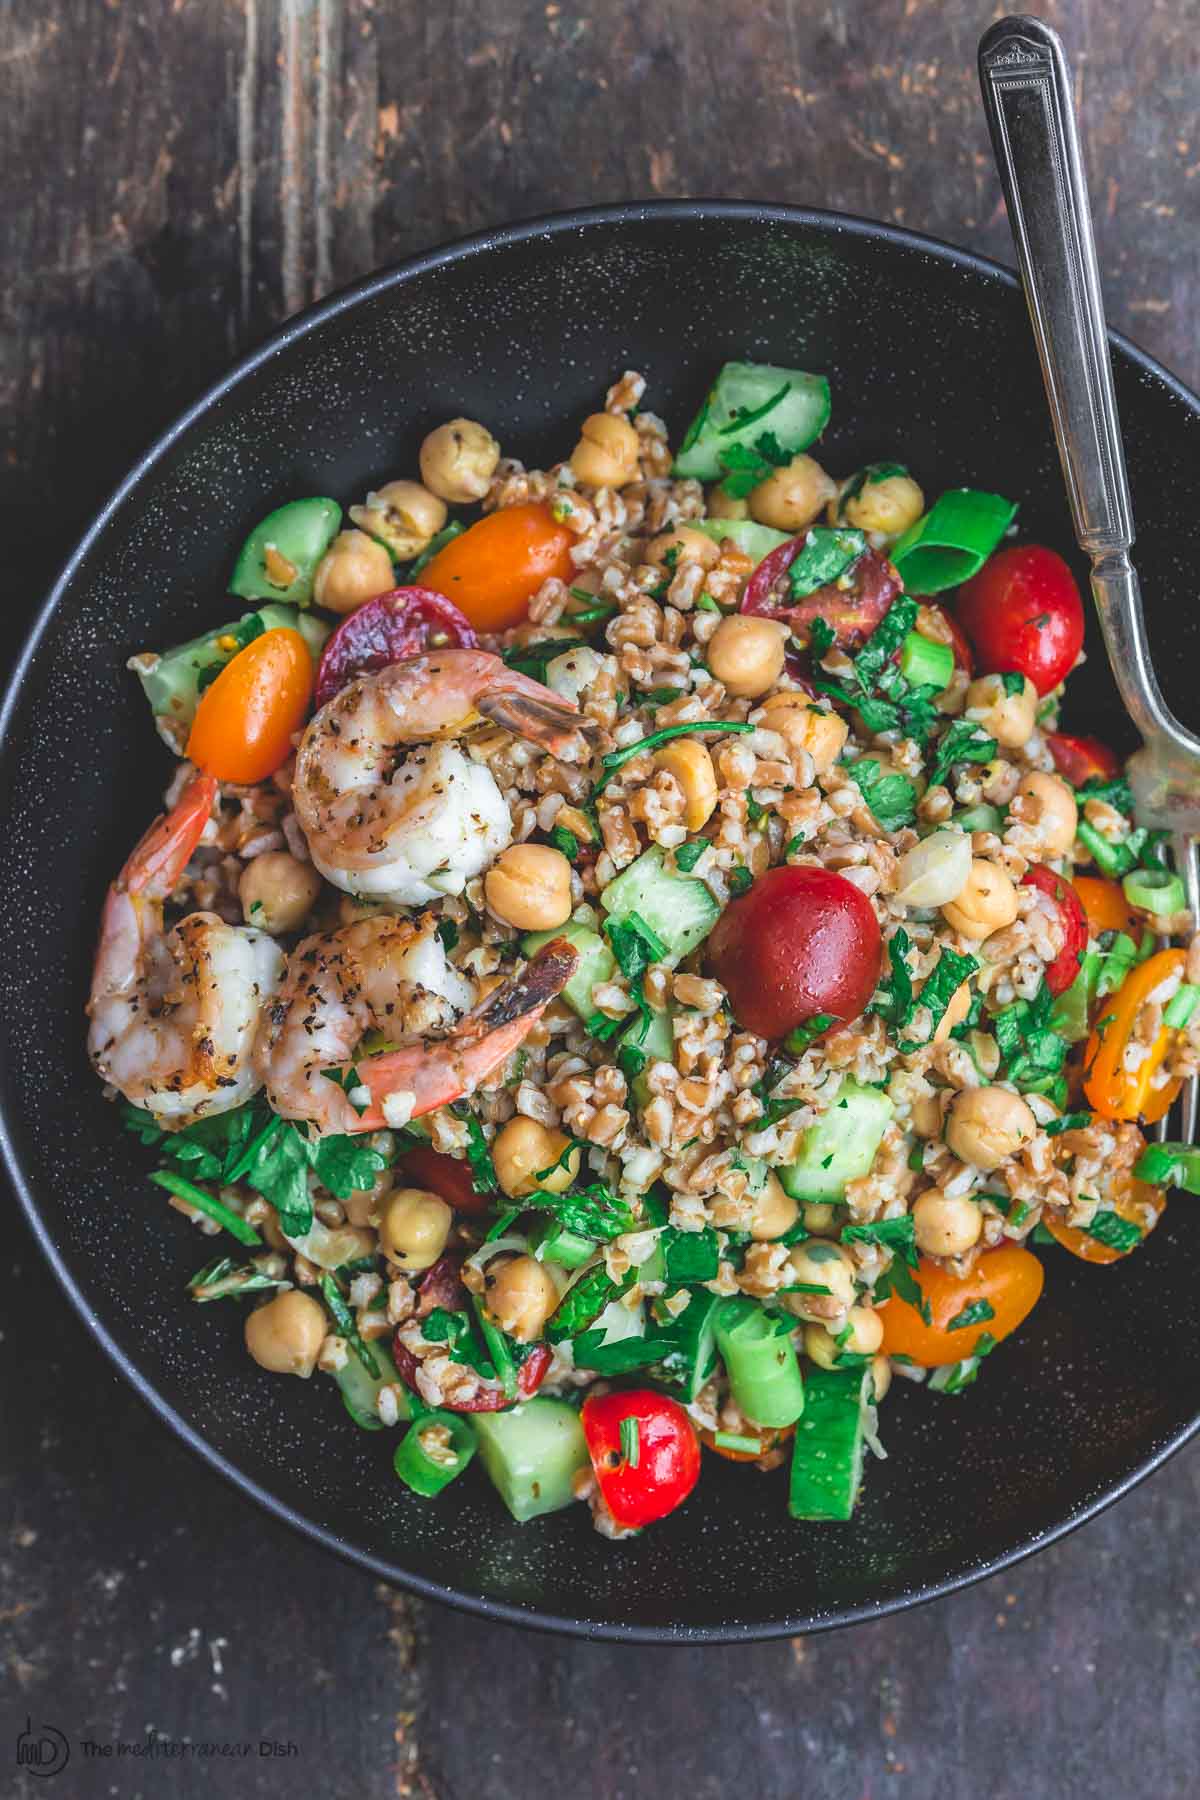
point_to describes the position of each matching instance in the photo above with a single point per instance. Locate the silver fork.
(1027, 98)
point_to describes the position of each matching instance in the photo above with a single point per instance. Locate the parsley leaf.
(871, 473)
(894, 999)
(594, 1212)
(897, 1235)
(829, 552)
(690, 1256)
(962, 743)
(483, 1173)
(1032, 1052)
(583, 1303)
(947, 976)
(976, 1312)
(1115, 792)
(891, 798)
(1117, 1233)
(566, 841)
(898, 1279)
(688, 855)
(746, 466)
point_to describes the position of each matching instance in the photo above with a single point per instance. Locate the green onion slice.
(1154, 890)
(953, 540)
(196, 1196)
(434, 1451)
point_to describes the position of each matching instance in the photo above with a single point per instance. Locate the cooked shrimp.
(409, 829)
(390, 975)
(173, 1014)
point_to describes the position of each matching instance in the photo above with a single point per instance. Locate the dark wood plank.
(180, 175)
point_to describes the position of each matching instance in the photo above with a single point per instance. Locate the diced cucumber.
(532, 1454)
(756, 540)
(841, 1146)
(827, 1456)
(596, 962)
(980, 818)
(792, 406)
(172, 681)
(360, 1391)
(678, 908)
(653, 1038)
(279, 558)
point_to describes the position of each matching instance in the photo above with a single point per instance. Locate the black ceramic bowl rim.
(548, 225)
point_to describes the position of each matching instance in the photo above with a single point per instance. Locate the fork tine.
(1187, 863)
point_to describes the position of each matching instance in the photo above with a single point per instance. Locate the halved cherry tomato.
(496, 567)
(1114, 1091)
(1082, 759)
(447, 1176)
(667, 1463)
(1065, 967)
(387, 630)
(1105, 904)
(245, 721)
(852, 613)
(1136, 1201)
(1009, 1279)
(1022, 612)
(489, 1396)
(801, 942)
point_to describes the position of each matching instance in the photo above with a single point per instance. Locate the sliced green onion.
(729, 1440)
(1115, 964)
(924, 663)
(616, 759)
(589, 614)
(1180, 1009)
(631, 1442)
(498, 1350)
(435, 544)
(1111, 859)
(552, 1241)
(1154, 891)
(1170, 1165)
(758, 1353)
(425, 1460)
(953, 540)
(224, 1215)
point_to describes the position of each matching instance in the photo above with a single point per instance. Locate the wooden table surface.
(180, 175)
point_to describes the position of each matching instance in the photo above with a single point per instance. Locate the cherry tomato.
(1023, 612)
(1105, 904)
(667, 1463)
(386, 630)
(1073, 919)
(447, 1176)
(246, 720)
(852, 613)
(496, 567)
(799, 943)
(1080, 759)
(1136, 1201)
(1009, 1279)
(1114, 1091)
(489, 1396)
(959, 642)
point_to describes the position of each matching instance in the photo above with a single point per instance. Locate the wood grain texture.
(180, 175)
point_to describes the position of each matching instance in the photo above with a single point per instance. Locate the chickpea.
(414, 1228)
(524, 1149)
(720, 505)
(987, 1125)
(689, 545)
(745, 654)
(824, 1266)
(865, 1328)
(529, 886)
(1009, 718)
(804, 725)
(1051, 810)
(987, 903)
(607, 452)
(404, 514)
(820, 1346)
(278, 891)
(889, 506)
(352, 571)
(458, 461)
(881, 1375)
(774, 1211)
(793, 496)
(945, 1224)
(957, 1008)
(820, 1217)
(519, 1295)
(691, 765)
(286, 1334)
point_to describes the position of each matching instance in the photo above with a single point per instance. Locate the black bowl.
(930, 356)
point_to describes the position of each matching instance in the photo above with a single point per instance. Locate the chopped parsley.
(565, 841)
(964, 742)
(829, 552)
(877, 690)
(483, 1173)
(873, 472)
(594, 1212)
(1032, 1052)
(891, 798)
(688, 855)
(976, 1312)
(947, 976)
(746, 466)
(896, 1235)
(1111, 1229)
(344, 1319)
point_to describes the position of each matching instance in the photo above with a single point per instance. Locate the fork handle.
(1027, 98)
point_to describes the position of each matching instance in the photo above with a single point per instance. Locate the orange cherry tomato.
(1114, 1091)
(245, 721)
(1136, 1201)
(1009, 1279)
(1105, 904)
(496, 567)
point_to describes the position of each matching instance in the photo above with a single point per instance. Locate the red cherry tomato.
(386, 630)
(667, 1464)
(447, 1176)
(1065, 967)
(958, 639)
(852, 613)
(801, 942)
(489, 1396)
(1022, 612)
(1079, 759)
